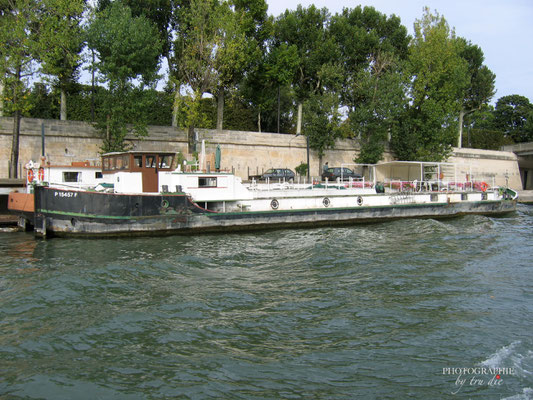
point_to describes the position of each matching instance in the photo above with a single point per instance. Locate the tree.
(61, 42)
(373, 48)
(481, 84)
(514, 115)
(232, 56)
(438, 80)
(268, 82)
(128, 49)
(321, 122)
(306, 30)
(194, 62)
(160, 13)
(19, 35)
(379, 95)
(482, 132)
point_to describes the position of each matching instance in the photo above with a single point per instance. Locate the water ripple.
(370, 311)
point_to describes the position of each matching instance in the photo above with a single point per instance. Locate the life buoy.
(326, 202)
(484, 186)
(41, 174)
(30, 175)
(359, 201)
(274, 204)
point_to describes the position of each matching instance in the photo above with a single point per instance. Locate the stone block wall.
(244, 153)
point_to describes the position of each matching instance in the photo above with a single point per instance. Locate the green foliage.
(480, 89)
(128, 48)
(41, 102)
(411, 90)
(61, 39)
(514, 116)
(19, 40)
(372, 48)
(305, 30)
(238, 115)
(481, 131)
(301, 169)
(160, 13)
(488, 139)
(426, 130)
(321, 122)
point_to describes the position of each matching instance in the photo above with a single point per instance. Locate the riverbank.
(525, 196)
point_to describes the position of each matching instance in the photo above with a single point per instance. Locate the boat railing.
(398, 185)
(392, 185)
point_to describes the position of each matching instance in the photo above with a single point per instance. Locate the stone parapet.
(244, 153)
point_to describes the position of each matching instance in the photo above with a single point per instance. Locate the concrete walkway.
(525, 196)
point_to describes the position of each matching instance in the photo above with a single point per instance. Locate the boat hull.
(65, 213)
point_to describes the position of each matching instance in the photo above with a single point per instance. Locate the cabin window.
(164, 161)
(111, 165)
(207, 182)
(138, 161)
(106, 164)
(70, 176)
(119, 163)
(98, 175)
(126, 162)
(150, 161)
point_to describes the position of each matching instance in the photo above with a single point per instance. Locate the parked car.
(342, 173)
(278, 173)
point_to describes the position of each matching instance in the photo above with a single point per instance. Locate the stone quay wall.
(244, 153)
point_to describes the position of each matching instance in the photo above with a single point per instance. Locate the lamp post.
(308, 165)
(307, 146)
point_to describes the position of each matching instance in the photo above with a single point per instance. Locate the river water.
(418, 309)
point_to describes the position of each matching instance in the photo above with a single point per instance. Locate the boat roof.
(413, 163)
(116, 153)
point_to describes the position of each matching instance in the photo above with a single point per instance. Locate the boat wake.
(512, 356)
(520, 361)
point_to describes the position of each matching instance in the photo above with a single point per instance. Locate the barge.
(140, 193)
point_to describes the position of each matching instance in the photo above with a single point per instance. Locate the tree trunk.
(259, 121)
(13, 168)
(92, 88)
(1, 98)
(175, 107)
(220, 109)
(461, 118)
(299, 123)
(279, 105)
(63, 112)
(191, 140)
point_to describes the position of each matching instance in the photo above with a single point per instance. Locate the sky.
(503, 29)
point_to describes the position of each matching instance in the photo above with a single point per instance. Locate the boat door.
(149, 173)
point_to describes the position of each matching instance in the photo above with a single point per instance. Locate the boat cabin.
(138, 170)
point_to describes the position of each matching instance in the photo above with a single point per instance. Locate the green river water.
(411, 309)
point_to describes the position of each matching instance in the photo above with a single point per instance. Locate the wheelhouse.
(148, 164)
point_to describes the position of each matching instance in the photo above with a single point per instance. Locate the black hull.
(66, 213)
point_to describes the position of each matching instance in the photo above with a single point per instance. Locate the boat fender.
(326, 202)
(164, 204)
(41, 174)
(484, 186)
(274, 204)
(30, 175)
(359, 201)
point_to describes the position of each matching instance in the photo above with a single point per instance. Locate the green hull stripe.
(82, 215)
(73, 214)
